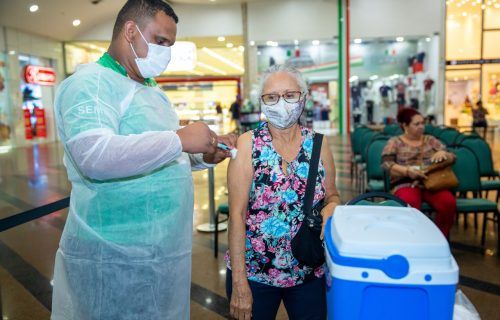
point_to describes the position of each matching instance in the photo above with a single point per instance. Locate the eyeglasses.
(272, 98)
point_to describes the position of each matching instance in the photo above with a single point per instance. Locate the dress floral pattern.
(275, 214)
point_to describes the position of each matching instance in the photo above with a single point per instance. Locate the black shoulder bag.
(307, 247)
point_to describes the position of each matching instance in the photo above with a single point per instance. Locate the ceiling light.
(76, 22)
(221, 38)
(353, 78)
(428, 39)
(229, 45)
(213, 0)
(296, 42)
(209, 67)
(241, 48)
(358, 41)
(315, 42)
(400, 39)
(12, 52)
(374, 77)
(34, 8)
(272, 43)
(252, 43)
(223, 59)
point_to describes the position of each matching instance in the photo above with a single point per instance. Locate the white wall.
(194, 21)
(384, 18)
(294, 19)
(300, 19)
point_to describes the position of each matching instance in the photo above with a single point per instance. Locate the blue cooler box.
(388, 263)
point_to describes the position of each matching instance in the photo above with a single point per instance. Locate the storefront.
(28, 77)
(472, 60)
(386, 73)
(204, 72)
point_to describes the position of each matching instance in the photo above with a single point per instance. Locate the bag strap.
(313, 173)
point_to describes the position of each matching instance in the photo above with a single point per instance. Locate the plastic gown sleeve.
(90, 109)
(102, 155)
(197, 162)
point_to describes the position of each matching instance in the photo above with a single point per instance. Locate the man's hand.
(229, 140)
(197, 138)
(220, 155)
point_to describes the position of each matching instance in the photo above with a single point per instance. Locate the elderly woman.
(405, 157)
(267, 183)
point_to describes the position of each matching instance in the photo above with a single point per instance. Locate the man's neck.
(123, 61)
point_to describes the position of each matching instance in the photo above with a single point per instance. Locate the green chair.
(487, 170)
(448, 136)
(356, 149)
(366, 139)
(374, 171)
(429, 129)
(466, 168)
(392, 130)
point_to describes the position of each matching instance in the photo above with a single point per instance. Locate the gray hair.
(283, 68)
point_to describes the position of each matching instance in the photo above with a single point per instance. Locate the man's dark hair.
(141, 10)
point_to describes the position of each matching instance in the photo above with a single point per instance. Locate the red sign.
(28, 130)
(41, 129)
(36, 129)
(40, 75)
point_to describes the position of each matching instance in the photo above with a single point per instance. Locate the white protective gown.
(125, 252)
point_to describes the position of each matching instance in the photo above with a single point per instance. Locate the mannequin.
(355, 94)
(369, 97)
(384, 95)
(428, 84)
(414, 95)
(400, 88)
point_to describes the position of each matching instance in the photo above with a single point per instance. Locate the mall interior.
(363, 60)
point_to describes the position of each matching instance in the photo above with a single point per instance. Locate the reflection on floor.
(30, 177)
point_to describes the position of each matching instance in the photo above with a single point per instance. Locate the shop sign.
(39, 75)
(477, 61)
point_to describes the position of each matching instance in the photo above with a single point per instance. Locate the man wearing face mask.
(125, 252)
(267, 190)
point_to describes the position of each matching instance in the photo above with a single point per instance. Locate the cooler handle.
(395, 266)
(376, 194)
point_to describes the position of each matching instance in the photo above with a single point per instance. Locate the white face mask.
(283, 115)
(155, 62)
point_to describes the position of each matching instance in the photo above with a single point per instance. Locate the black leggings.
(305, 301)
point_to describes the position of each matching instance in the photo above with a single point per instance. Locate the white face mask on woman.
(283, 115)
(155, 62)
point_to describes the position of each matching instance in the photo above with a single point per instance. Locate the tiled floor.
(31, 177)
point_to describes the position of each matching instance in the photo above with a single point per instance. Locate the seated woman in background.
(267, 183)
(405, 156)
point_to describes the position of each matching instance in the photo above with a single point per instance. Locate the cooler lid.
(378, 232)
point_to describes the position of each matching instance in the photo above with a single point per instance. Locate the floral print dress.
(274, 213)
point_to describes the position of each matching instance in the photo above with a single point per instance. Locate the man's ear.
(129, 30)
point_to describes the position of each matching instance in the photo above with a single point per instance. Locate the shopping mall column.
(344, 68)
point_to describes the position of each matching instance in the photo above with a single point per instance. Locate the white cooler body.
(388, 263)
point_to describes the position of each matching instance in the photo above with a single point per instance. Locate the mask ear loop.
(131, 46)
